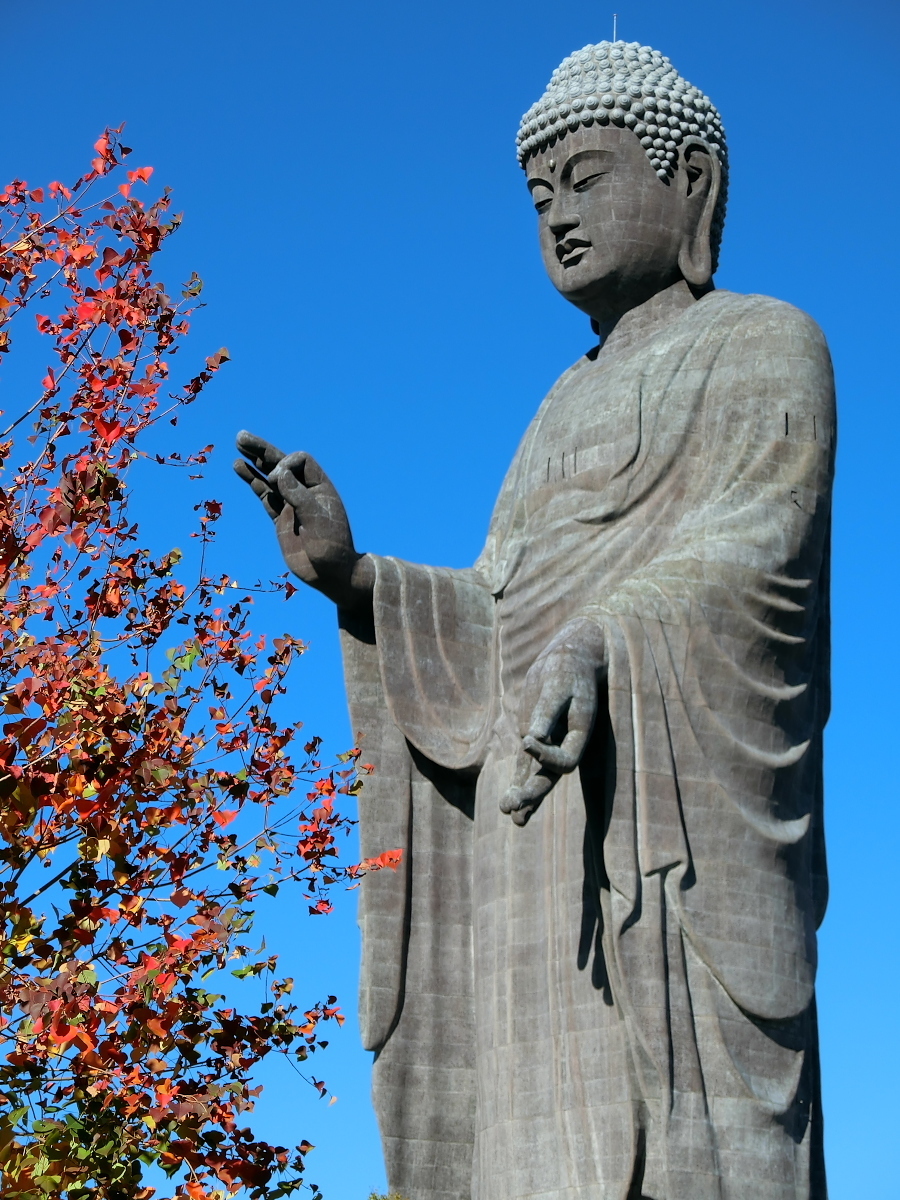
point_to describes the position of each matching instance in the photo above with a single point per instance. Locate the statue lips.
(572, 251)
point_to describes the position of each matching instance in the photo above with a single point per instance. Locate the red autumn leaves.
(149, 793)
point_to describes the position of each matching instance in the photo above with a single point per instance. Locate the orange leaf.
(62, 1034)
(390, 858)
(86, 1040)
(110, 431)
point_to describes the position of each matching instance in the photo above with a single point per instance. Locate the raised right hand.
(310, 520)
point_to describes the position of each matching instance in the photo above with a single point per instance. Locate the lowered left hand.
(557, 714)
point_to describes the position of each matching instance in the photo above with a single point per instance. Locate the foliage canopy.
(148, 795)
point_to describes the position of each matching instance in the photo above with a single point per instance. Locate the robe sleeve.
(385, 824)
(434, 631)
(420, 677)
(718, 663)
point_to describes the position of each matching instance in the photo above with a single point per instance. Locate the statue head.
(627, 168)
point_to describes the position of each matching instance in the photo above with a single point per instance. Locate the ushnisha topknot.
(623, 83)
(635, 87)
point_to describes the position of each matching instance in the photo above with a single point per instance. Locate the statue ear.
(700, 180)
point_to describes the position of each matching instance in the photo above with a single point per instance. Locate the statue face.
(610, 229)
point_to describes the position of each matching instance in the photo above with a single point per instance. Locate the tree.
(146, 794)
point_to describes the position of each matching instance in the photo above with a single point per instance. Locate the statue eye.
(542, 197)
(585, 181)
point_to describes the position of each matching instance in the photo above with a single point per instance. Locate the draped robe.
(617, 1000)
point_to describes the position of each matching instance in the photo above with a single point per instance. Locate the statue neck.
(636, 324)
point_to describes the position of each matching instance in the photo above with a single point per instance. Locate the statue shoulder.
(754, 314)
(766, 349)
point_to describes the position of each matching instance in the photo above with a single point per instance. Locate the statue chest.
(588, 434)
(607, 449)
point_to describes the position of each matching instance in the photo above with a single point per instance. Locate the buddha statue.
(600, 747)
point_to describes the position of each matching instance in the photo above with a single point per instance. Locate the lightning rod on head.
(615, 26)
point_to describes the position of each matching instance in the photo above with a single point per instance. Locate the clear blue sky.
(354, 205)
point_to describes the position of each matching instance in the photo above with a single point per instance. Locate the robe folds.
(615, 1001)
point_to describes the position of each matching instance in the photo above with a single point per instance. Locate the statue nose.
(560, 221)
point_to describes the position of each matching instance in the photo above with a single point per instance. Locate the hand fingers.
(284, 479)
(305, 469)
(264, 456)
(579, 703)
(523, 799)
(569, 691)
(271, 501)
(562, 758)
(534, 788)
(297, 475)
(552, 701)
(528, 794)
(521, 815)
(531, 782)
